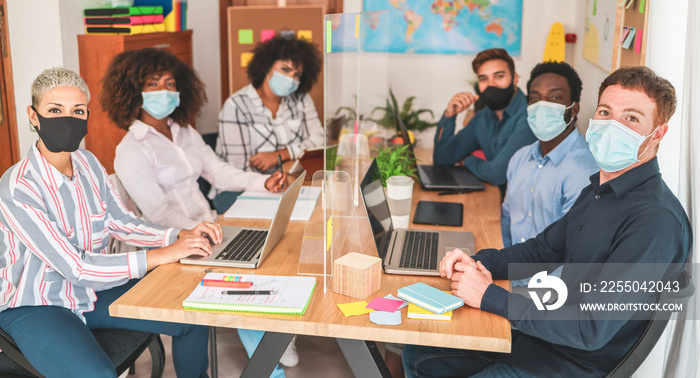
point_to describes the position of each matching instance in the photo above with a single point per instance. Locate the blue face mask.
(546, 119)
(614, 146)
(160, 104)
(282, 85)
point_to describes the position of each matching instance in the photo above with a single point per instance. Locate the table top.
(159, 295)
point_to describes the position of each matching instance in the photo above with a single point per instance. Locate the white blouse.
(161, 175)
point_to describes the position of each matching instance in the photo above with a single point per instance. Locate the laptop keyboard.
(244, 247)
(439, 175)
(420, 250)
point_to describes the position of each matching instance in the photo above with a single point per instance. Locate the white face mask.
(546, 119)
(614, 146)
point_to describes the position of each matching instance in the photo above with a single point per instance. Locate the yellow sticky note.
(304, 34)
(354, 308)
(329, 233)
(357, 26)
(245, 58)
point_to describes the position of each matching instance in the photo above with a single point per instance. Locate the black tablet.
(439, 213)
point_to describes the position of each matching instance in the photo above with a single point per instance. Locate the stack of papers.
(253, 204)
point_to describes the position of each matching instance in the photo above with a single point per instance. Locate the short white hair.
(54, 78)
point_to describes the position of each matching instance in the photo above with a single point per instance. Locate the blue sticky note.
(630, 37)
(385, 318)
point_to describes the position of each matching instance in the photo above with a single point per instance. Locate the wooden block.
(357, 275)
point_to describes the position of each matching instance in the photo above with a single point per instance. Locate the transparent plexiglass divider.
(355, 95)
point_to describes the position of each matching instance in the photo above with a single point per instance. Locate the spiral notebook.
(290, 295)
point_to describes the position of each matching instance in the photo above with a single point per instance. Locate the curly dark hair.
(126, 75)
(562, 69)
(299, 51)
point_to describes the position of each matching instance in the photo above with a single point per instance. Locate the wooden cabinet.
(96, 52)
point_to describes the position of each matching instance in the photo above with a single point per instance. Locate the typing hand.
(206, 229)
(187, 245)
(459, 103)
(447, 265)
(470, 283)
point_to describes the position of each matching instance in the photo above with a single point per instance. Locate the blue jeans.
(58, 344)
(250, 340)
(224, 200)
(423, 361)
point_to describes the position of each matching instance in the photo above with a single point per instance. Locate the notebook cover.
(430, 298)
(123, 11)
(124, 21)
(293, 295)
(126, 29)
(417, 312)
(439, 213)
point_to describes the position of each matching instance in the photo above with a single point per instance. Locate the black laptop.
(441, 177)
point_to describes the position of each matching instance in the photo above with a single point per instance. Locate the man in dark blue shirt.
(627, 216)
(499, 129)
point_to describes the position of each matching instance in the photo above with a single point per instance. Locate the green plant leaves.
(396, 161)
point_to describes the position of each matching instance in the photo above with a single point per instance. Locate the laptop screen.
(377, 208)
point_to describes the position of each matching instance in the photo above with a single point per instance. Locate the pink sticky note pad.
(383, 304)
(638, 42)
(625, 31)
(266, 34)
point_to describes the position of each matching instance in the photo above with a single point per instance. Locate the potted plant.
(396, 160)
(411, 117)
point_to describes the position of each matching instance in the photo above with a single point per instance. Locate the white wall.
(203, 19)
(35, 44)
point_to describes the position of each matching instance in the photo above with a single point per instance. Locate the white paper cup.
(399, 191)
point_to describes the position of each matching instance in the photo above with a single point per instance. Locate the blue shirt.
(542, 189)
(498, 139)
(633, 218)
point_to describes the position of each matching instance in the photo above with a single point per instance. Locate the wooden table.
(159, 296)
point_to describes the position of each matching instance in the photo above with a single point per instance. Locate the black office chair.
(646, 342)
(122, 346)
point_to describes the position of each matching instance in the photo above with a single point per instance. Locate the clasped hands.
(470, 278)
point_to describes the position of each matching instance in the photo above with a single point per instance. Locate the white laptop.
(244, 247)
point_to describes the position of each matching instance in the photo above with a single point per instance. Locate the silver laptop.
(248, 247)
(406, 251)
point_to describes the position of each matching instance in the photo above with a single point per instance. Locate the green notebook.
(123, 11)
(289, 295)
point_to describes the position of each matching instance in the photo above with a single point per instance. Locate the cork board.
(632, 16)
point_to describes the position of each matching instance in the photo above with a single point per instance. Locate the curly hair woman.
(155, 96)
(273, 115)
(152, 94)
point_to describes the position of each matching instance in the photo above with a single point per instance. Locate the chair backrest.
(651, 335)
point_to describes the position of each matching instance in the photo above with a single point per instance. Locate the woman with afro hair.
(273, 115)
(155, 96)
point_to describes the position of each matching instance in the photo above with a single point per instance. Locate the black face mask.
(61, 134)
(497, 98)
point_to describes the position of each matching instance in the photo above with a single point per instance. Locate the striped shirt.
(246, 127)
(54, 233)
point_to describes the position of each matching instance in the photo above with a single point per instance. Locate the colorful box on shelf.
(174, 12)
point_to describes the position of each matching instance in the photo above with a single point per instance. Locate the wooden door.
(9, 149)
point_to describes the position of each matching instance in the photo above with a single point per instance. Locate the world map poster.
(443, 27)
